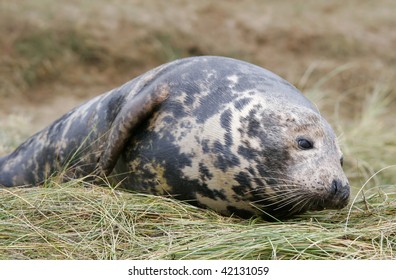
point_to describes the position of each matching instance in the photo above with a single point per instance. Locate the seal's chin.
(326, 204)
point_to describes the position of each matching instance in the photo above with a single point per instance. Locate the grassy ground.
(341, 54)
(73, 221)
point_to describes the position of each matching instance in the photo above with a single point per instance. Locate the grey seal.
(214, 131)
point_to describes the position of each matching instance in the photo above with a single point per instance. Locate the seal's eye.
(304, 144)
(342, 161)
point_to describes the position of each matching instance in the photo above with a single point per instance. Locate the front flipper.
(86, 141)
(137, 109)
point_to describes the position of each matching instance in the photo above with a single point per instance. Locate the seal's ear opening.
(135, 111)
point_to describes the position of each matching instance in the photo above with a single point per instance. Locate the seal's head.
(299, 162)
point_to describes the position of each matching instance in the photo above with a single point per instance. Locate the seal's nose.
(340, 191)
(336, 187)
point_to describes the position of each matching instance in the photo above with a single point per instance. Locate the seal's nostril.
(346, 193)
(335, 186)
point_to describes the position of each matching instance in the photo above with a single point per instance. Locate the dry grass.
(79, 221)
(341, 54)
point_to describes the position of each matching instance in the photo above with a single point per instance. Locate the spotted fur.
(217, 132)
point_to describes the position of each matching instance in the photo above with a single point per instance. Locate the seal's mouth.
(337, 197)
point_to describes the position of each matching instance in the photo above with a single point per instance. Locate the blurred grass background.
(340, 54)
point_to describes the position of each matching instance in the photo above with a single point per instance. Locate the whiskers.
(284, 198)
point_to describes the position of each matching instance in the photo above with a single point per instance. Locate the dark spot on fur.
(259, 182)
(220, 195)
(226, 119)
(244, 183)
(224, 157)
(247, 152)
(168, 119)
(228, 139)
(204, 172)
(193, 94)
(251, 171)
(205, 146)
(253, 128)
(241, 103)
(176, 108)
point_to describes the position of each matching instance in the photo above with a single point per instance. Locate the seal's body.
(217, 132)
